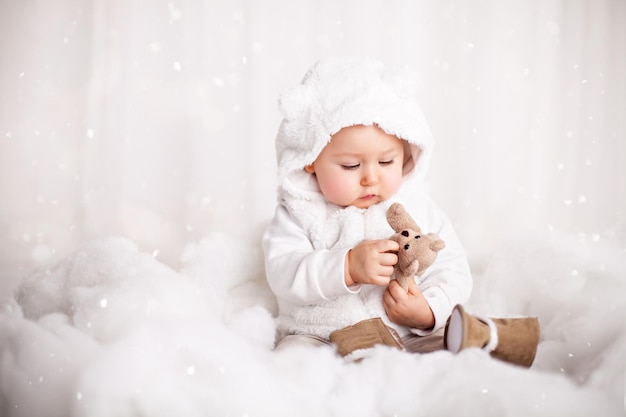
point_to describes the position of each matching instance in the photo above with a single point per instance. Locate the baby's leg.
(423, 344)
(292, 340)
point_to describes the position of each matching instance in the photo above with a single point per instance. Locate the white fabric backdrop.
(155, 120)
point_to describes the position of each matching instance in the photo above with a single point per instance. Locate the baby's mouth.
(368, 196)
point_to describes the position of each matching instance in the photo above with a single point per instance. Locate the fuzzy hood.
(343, 92)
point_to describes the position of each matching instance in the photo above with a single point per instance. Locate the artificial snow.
(111, 331)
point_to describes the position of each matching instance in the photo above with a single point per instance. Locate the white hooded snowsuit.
(307, 241)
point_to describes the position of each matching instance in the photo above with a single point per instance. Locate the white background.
(155, 120)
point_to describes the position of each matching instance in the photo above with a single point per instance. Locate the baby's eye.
(350, 167)
(386, 162)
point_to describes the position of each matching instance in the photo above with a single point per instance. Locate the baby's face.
(361, 166)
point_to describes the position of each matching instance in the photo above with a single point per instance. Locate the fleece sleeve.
(298, 273)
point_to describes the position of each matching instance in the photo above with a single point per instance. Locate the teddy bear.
(417, 250)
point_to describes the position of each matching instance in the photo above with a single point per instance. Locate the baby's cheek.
(337, 190)
(397, 181)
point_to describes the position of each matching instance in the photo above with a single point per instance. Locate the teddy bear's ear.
(399, 219)
(437, 244)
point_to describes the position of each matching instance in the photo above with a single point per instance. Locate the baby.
(352, 142)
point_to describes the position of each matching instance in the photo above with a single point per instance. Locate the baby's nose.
(370, 177)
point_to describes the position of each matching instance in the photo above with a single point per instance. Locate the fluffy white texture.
(347, 91)
(198, 342)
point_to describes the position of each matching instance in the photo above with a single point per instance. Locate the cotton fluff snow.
(111, 331)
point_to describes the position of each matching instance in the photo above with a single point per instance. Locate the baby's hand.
(371, 262)
(410, 309)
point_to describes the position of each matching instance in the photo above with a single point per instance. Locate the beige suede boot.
(351, 341)
(512, 340)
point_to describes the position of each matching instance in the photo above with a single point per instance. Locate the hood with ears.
(342, 92)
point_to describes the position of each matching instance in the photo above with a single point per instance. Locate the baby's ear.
(310, 169)
(399, 219)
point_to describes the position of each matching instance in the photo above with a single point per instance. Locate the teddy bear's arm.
(407, 274)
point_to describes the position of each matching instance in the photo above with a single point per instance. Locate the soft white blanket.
(111, 331)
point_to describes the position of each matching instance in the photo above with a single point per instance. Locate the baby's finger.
(396, 291)
(387, 245)
(388, 259)
(385, 270)
(388, 298)
(381, 280)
